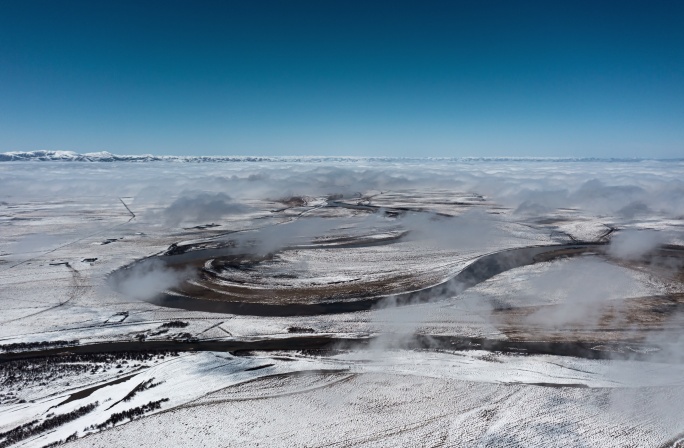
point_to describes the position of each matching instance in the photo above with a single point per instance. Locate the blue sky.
(471, 78)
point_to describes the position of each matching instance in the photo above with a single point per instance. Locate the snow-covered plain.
(310, 231)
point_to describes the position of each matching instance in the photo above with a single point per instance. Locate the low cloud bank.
(623, 189)
(147, 279)
(634, 244)
(472, 230)
(578, 292)
(201, 207)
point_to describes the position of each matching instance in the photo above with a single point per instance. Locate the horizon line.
(106, 156)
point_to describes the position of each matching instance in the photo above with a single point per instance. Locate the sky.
(398, 78)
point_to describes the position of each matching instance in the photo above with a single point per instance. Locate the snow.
(380, 395)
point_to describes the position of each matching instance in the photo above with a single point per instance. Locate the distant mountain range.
(104, 156)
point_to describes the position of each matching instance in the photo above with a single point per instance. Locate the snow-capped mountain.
(104, 156)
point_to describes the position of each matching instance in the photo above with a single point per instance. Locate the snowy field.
(340, 302)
